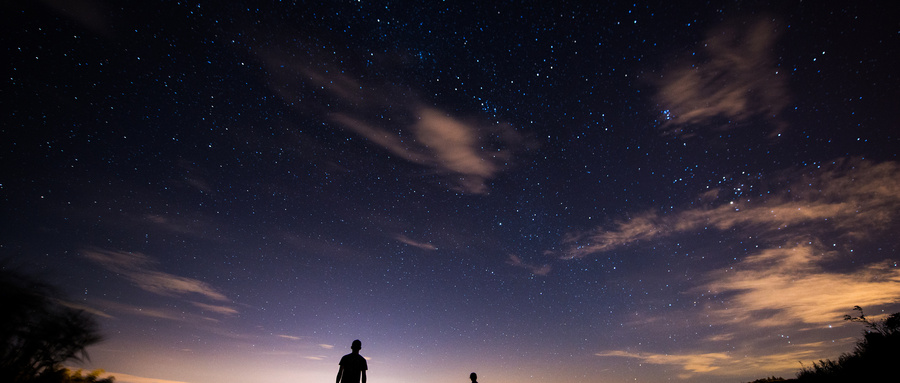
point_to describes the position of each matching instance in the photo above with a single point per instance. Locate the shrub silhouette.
(874, 357)
(39, 332)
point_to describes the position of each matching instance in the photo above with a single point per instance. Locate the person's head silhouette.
(474, 377)
(356, 345)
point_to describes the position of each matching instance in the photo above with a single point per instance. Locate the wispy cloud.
(86, 308)
(119, 310)
(225, 310)
(411, 242)
(724, 363)
(732, 76)
(854, 197)
(542, 270)
(141, 270)
(124, 309)
(466, 151)
(692, 363)
(462, 151)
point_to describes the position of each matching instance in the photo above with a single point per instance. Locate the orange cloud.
(690, 363)
(536, 270)
(726, 364)
(421, 245)
(855, 197)
(444, 143)
(734, 77)
(216, 308)
(788, 285)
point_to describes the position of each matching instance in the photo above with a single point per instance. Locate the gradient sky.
(534, 191)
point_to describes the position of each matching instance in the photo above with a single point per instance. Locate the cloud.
(733, 364)
(291, 337)
(467, 152)
(536, 270)
(853, 197)
(453, 144)
(461, 150)
(693, 363)
(732, 76)
(128, 309)
(389, 141)
(85, 308)
(789, 285)
(421, 245)
(326, 346)
(174, 314)
(140, 270)
(216, 308)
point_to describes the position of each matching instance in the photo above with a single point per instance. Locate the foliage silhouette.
(39, 332)
(874, 357)
(770, 380)
(65, 375)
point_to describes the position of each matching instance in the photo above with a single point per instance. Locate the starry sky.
(537, 191)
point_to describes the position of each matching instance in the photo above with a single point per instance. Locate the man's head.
(356, 345)
(473, 376)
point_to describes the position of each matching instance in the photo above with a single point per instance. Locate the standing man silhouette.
(474, 377)
(353, 366)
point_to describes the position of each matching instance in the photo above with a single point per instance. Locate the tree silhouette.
(39, 332)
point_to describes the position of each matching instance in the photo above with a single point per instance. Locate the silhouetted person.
(474, 377)
(353, 366)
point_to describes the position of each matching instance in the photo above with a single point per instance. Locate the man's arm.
(340, 372)
(363, 377)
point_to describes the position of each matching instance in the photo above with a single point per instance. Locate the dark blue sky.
(538, 192)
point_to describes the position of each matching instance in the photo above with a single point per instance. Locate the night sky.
(535, 191)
